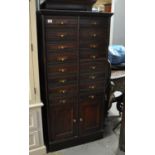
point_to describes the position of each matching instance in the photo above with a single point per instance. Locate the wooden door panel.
(62, 122)
(90, 116)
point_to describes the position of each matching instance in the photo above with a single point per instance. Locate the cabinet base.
(73, 142)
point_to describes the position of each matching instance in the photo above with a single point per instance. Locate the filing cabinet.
(74, 73)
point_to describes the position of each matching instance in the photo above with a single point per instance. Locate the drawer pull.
(94, 23)
(74, 120)
(81, 119)
(93, 56)
(62, 91)
(92, 77)
(62, 35)
(94, 35)
(61, 59)
(93, 67)
(91, 87)
(62, 81)
(92, 97)
(61, 22)
(93, 46)
(61, 47)
(62, 101)
(62, 70)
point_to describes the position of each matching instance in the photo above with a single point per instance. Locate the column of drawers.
(62, 70)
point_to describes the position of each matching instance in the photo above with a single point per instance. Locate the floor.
(106, 146)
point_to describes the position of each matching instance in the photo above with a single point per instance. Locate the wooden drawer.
(62, 80)
(91, 98)
(92, 77)
(93, 44)
(61, 35)
(34, 140)
(93, 22)
(94, 66)
(62, 100)
(61, 69)
(92, 86)
(92, 34)
(89, 54)
(62, 57)
(62, 90)
(61, 21)
(60, 46)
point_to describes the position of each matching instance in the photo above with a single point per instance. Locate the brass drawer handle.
(62, 91)
(74, 121)
(62, 81)
(61, 22)
(81, 119)
(93, 56)
(61, 47)
(62, 35)
(93, 46)
(91, 96)
(92, 77)
(61, 59)
(94, 23)
(94, 35)
(93, 67)
(62, 101)
(91, 87)
(62, 70)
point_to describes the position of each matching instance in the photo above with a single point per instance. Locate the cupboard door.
(90, 115)
(62, 122)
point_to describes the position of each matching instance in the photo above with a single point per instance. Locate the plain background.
(140, 77)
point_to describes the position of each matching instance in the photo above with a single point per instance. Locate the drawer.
(62, 90)
(92, 77)
(62, 69)
(93, 22)
(94, 66)
(61, 35)
(61, 21)
(62, 80)
(34, 140)
(89, 54)
(92, 34)
(60, 46)
(62, 100)
(93, 44)
(62, 57)
(91, 98)
(92, 86)
(33, 120)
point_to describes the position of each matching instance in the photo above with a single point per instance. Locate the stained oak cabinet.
(74, 73)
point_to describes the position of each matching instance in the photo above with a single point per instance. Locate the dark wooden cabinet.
(74, 73)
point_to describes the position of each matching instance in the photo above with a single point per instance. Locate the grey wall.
(117, 35)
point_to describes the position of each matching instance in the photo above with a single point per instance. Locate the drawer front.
(92, 86)
(62, 90)
(91, 98)
(96, 66)
(91, 55)
(92, 34)
(61, 46)
(62, 69)
(92, 77)
(62, 100)
(34, 140)
(62, 80)
(92, 44)
(62, 57)
(61, 21)
(61, 35)
(93, 22)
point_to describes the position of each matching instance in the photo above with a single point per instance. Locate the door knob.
(81, 119)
